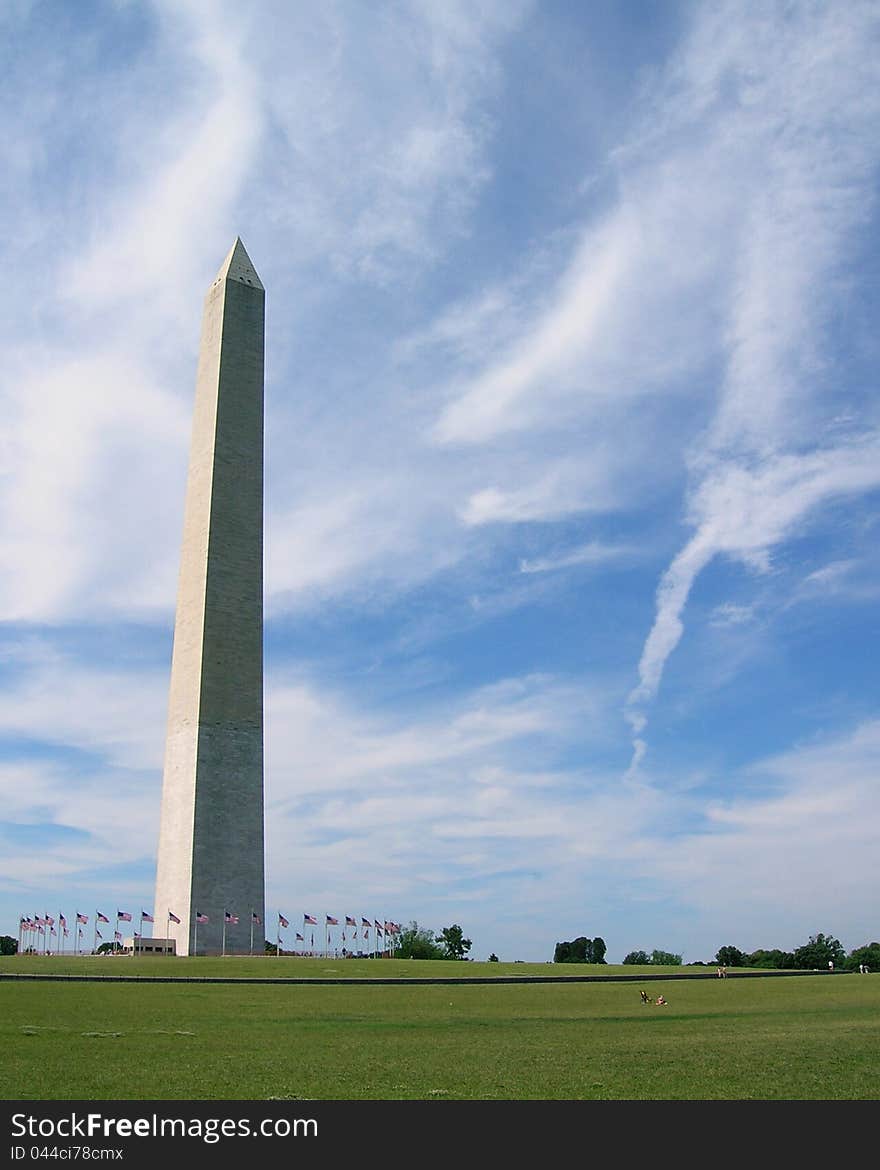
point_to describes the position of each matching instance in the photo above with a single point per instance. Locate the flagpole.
(252, 929)
(224, 935)
(95, 937)
(196, 934)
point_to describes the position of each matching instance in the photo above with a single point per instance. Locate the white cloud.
(56, 700)
(499, 400)
(728, 614)
(594, 553)
(743, 513)
(762, 470)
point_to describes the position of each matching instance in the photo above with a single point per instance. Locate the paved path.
(491, 979)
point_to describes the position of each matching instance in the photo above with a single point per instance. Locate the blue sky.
(573, 455)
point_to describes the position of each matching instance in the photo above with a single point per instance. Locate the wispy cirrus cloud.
(594, 553)
(764, 466)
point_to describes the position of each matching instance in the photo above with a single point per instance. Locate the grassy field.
(784, 1038)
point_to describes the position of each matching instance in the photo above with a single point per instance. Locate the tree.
(637, 958)
(580, 950)
(414, 942)
(819, 952)
(868, 956)
(775, 960)
(730, 957)
(454, 946)
(655, 959)
(8, 945)
(665, 959)
(493, 958)
(108, 948)
(562, 953)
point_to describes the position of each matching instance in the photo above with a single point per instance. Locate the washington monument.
(211, 853)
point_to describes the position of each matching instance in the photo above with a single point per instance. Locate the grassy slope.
(804, 1037)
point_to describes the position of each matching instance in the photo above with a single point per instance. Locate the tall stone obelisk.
(211, 851)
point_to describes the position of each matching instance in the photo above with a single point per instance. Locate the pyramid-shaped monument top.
(238, 266)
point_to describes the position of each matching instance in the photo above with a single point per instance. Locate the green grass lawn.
(800, 1037)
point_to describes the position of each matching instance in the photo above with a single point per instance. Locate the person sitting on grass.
(661, 1002)
(645, 997)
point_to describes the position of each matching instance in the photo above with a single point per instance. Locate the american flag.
(122, 916)
(62, 921)
(308, 918)
(377, 924)
(201, 919)
(349, 921)
(299, 937)
(48, 921)
(255, 918)
(117, 936)
(98, 934)
(174, 918)
(145, 917)
(83, 918)
(332, 921)
(99, 917)
(283, 921)
(366, 922)
(231, 918)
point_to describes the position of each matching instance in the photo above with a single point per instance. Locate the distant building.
(149, 946)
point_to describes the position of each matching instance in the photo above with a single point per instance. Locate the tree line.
(821, 952)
